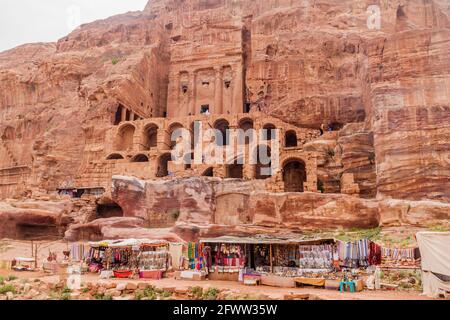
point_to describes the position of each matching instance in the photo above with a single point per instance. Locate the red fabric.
(374, 254)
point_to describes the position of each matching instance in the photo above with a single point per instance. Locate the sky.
(27, 21)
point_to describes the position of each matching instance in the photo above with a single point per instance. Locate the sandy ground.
(10, 249)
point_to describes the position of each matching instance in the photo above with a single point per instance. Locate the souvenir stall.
(194, 266)
(153, 259)
(266, 260)
(120, 258)
(224, 260)
(300, 262)
(23, 264)
(96, 255)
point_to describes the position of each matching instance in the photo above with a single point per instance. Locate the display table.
(151, 274)
(214, 274)
(252, 279)
(195, 275)
(277, 281)
(317, 282)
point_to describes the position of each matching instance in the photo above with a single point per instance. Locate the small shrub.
(65, 296)
(66, 290)
(166, 294)
(2, 280)
(11, 278)
(197, 292)
(102, 296)
(175, 214)
(7, 288)
(372, 157)
(138, 295)
(210, 294)
(115, 61)
(330, 153)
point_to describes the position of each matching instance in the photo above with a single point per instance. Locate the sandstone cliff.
(309, 63)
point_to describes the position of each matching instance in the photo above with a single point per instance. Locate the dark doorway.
(223, 126)
(294, 176)
(140, 158)
(118, 115)
(163, 168)
(208, 172)
(114, 156)
(235, 171)
(151, 136)
(290, 139)
(204, 109)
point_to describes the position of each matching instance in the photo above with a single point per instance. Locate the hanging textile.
(77, 251)
(316, 256)
(407, 257)
(225, 257)
(195, 256)
(354, 254)
(374, 254)
(176, 253)
(153, 260)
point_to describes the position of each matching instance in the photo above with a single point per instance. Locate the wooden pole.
(35, 257)
(271, 259)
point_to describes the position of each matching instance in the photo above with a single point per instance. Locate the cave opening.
(110, 210)
(29, 231)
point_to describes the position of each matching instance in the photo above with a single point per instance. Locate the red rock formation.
(315, 64)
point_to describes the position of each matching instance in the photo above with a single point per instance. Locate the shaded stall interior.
(255, 253)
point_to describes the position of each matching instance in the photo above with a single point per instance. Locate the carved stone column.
(123, 114)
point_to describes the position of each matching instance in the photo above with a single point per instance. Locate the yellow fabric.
(5, 264)
(311, 281)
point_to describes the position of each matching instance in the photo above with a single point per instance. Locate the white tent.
(435, 253)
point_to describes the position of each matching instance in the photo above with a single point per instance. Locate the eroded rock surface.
(380, 97)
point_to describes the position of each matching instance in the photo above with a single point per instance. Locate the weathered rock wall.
(308, 63)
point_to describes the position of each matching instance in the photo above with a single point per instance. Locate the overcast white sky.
(26, 21)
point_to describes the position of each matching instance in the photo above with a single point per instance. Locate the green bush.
(7, 288)
(210, 294)
(197, 292)
(102, 296)
(66, 290)
(148, 293)
(115, 61)
(65, 296)
(11, 278)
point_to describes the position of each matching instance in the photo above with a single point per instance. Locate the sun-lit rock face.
(379, 96)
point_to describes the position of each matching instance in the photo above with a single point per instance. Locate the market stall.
(266, 260)
(96, 255)
(22, 264)
(121, 257)
(153, 259)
